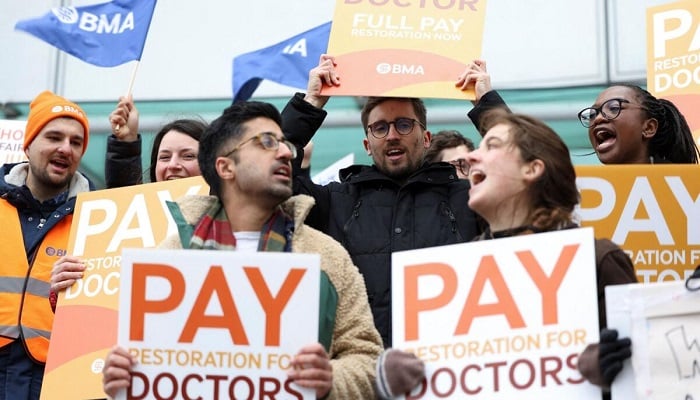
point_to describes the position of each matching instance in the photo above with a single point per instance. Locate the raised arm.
(301, 118)
(123, 159)
(476, 75)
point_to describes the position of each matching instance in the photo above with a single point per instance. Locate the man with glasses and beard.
(398, 203)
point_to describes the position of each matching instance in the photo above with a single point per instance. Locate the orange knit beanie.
(47, 107)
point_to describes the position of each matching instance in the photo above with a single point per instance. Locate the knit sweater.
(356, 343)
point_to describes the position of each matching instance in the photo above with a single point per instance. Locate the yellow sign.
(85, 325)
(673, 57)
(651, 211)
(405, 48)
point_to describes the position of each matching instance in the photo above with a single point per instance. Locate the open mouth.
(476, 176)
(283, 171)
(60, 164)
(394, 153)
(604, 139)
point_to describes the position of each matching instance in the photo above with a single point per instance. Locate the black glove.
(612, 352)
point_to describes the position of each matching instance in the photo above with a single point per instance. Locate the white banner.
(215, 324)
(11, 141)
(663, 321)
(502, 319)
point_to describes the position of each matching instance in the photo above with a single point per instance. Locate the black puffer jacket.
(123, 163)
(372, 215)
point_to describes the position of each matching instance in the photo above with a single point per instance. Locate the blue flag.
(287, 63)
(106, 34)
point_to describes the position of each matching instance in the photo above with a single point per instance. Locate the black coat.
(122, 163)
(372, 215)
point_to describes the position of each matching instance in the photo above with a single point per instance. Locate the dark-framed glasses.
(460, 165)
(269, 141)
(403, 126)
(609, 110)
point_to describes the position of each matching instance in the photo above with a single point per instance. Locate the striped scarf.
(213, 232)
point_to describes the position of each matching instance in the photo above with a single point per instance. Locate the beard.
(398, 172)
(52, 183)
(279, 193)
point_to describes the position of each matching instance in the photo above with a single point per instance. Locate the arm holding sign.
(65, 272)
(304, 113)
(477, 75)
(312, 369)
(301, 118)
(323, 74)
(600, 362)
(398, 372)
(116, 374)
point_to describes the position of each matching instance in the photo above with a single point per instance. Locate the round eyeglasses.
(269, 141)
(610, 110)
(460, 165)
(403, 126)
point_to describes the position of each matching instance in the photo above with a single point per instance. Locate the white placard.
(217, 323)
(502, 319)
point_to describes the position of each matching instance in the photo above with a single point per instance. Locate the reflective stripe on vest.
(9, 331)
(24, 292)
(16, 285)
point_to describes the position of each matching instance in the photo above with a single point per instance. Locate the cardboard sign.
(651, 211)
(499, 319)
(214, 324)
(85, 324)
(662, 319)
(405, 48)
(11, 141)
(673, 57)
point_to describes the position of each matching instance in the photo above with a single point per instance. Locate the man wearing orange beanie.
(37, 198)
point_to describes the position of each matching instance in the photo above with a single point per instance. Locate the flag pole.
(133, 78)
(131, 86)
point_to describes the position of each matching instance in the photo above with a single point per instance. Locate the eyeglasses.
(461, 165)
(403, 126)
(610, 110)
(269, 141)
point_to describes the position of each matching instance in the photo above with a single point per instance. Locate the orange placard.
(651, 211)
(673, 57)
(405, 48)
(85, 325)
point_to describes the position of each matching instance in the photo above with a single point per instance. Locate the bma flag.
(287, 63)
(105, 34)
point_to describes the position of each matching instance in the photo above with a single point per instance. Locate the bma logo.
(51, 252)
(67, 15)
(66, 108)
(103, 23)
(400, 69)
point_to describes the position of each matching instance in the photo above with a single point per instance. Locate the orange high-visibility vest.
(25, 310)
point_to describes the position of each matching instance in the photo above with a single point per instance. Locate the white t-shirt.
(247, 241)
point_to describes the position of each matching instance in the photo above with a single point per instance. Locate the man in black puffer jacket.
(399, 203)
